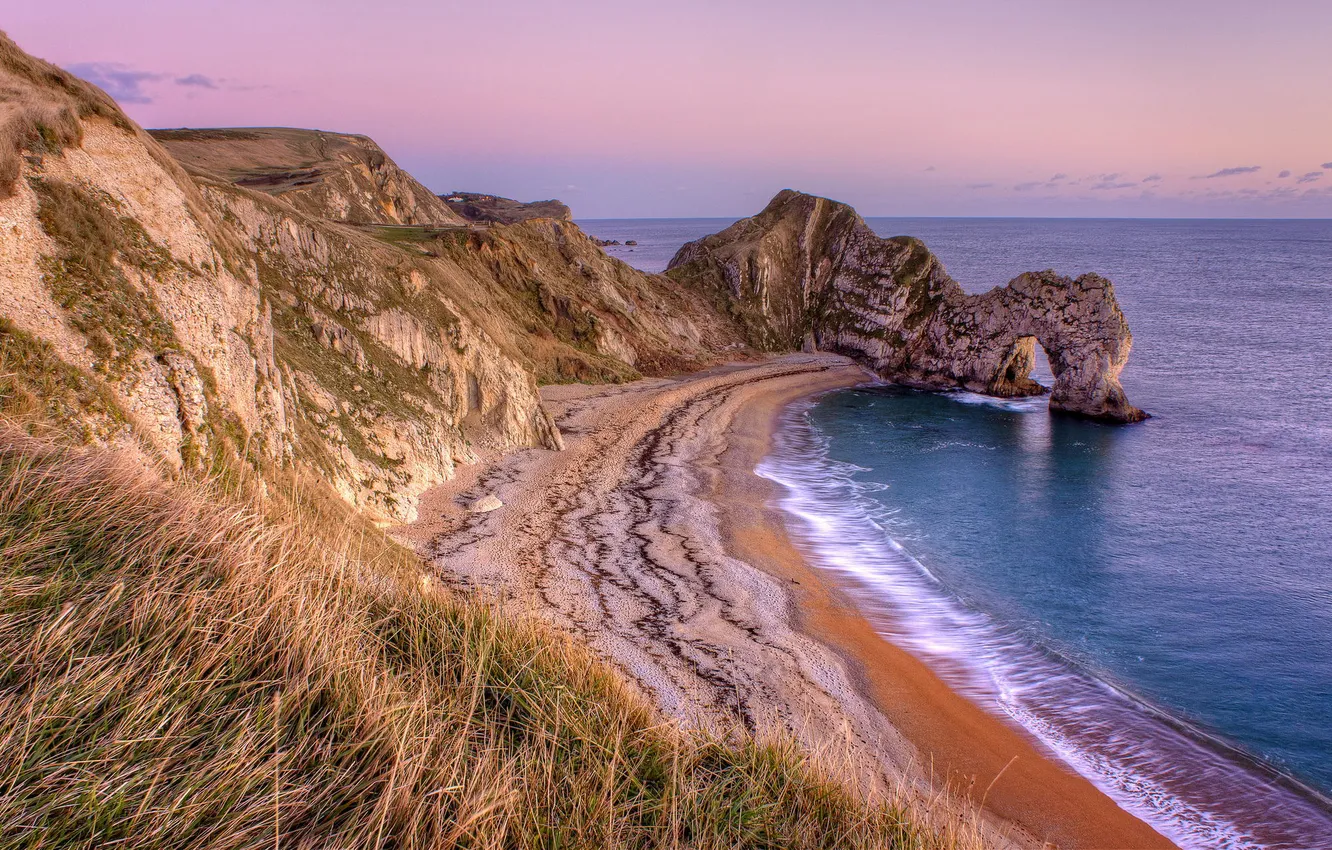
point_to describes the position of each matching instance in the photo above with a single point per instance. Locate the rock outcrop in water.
(809, 273)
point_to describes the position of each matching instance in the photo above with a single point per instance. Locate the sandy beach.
(651, 538)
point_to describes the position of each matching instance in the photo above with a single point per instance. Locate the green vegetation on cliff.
(114, 315)
(38, 389)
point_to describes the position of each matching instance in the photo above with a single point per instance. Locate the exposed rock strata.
(224, 319)
(809, 273)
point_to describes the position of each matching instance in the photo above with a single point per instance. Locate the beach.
(651, 538)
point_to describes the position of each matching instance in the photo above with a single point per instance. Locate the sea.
(1153, 602)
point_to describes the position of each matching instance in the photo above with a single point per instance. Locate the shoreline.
(970, 749)
(652, 537)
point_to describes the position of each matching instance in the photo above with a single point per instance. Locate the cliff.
(808, 272)
(492, 209)
(200, 320)
(333, 176)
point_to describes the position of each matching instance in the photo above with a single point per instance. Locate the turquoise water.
(1153, 602)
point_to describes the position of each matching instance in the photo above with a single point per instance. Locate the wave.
(1192, 787)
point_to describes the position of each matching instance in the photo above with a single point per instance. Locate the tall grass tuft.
(40, 108)
(179, 671)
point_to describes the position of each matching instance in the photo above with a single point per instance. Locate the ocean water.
(1153, 602)
(658, 238)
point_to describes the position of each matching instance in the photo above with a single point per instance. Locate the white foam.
(1017, 405)
(1195, 790)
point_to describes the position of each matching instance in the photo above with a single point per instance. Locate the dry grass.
(80, 223)
(44, 109)
(180, 672)
(40, 108)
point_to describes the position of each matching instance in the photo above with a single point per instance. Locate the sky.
(1167, 108)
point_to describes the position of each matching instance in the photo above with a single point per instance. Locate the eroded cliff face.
(294, 345)
(113, 268)
(393, 383)
(237, 309)
(142, 308)
(808, 272)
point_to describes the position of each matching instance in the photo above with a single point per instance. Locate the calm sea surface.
(1152, 602)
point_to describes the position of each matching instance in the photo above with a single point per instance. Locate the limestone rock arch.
(808, 272)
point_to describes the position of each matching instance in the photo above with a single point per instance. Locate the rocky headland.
(492, 209)
(809, 273)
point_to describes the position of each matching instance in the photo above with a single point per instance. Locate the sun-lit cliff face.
(809, 272)
(295, 298)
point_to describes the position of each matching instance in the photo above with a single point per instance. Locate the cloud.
(1060, 176)
(1110, 181)
(130, 85)
(121, 82)
(1152, 178)
(1025, 187)
(1284, 174)
(980, 185)
(1310, 177)
(1327, 166)
(931, 168)
(198, 80)
(1231, 172)
(1287, 194)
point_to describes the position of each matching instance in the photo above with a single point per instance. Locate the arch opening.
(1013, 378)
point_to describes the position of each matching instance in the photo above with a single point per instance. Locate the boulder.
(484, 505)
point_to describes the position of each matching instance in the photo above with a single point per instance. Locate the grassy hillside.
(181, 671)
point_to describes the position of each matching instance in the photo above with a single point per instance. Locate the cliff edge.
(334, 176)
(808, 272)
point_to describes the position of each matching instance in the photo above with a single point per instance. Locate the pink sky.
(691, 108)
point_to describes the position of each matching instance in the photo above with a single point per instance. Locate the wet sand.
(652, 539)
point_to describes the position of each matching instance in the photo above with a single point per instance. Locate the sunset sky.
(693, 108)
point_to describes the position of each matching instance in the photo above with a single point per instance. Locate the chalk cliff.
(808, 272)
(275, 301)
